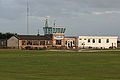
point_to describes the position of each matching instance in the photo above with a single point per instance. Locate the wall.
(70, 42)
(48, 43)
(13, 42)
(3, 43)
(83, 42)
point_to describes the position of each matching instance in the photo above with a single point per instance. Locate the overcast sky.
(80, 17)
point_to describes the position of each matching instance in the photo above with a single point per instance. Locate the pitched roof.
(33, 37)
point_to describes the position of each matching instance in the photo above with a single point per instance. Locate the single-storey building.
(29, 41)
(97, 42)
(3, 43)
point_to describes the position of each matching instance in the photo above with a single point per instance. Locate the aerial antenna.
(27, 16)
(54, 23)
(46, 23)
(38, 32)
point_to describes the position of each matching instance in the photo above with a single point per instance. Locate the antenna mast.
(38, 32)
(54, 23)
(46, 23)
(27, 17)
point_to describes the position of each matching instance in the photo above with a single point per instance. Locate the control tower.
(56, 33)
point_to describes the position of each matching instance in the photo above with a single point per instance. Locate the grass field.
(48, 65)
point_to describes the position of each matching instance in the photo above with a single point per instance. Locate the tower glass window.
(62, 30)
(58, 30)
(54, 30)
(49, 31)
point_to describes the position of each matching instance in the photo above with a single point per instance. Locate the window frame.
(107, 40)
(93, 41)
(89, 40)
(58, 42)
(99, 41)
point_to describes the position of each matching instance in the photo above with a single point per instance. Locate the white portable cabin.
(97, 42)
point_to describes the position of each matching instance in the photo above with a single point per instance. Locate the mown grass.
(48, 65)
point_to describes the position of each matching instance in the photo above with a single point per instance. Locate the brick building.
(54, 37)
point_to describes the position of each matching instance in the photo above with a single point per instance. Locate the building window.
(23, 42)
(49, 31)
(73, 42)
(35, 42)
(99, 40)
(62, 30)
(2, 42)
(58, 42)
(88, 40)
(66, 42)
(46, 30)
(93, 40)
(29, 42)
(85, 39)
(42, 42)
(107, 41)
(80, 39)
(48, 42)
(58, 30)
(54, 30)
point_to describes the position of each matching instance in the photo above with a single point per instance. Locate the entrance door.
(69, 44)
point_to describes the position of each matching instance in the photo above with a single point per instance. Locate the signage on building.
(58, 37)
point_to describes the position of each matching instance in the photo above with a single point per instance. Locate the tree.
(6, 35)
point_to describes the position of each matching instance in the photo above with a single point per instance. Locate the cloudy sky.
(80, 17)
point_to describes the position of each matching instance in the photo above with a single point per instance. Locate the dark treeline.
(6, 35)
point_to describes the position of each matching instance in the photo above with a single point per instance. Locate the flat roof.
(54, 27)
(92, 36)
(100, 36)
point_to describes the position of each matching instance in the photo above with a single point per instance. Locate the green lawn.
(48, 65)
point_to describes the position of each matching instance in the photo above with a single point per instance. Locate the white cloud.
(106, 12)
